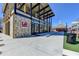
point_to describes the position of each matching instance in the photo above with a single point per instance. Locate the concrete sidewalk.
(32, 46)
(26, 46)
(70, 53)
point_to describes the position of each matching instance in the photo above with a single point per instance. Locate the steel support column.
(50, 23)
(15, 7)
(39, 17)
(47, 25)
(31, 16)
(44, 22)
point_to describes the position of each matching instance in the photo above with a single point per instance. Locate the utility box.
(71, 38)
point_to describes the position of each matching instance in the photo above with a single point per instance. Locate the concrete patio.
(50, 45)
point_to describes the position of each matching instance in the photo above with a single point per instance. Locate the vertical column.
(39, 17)
(47, 25)
(50, 24)
(43, 21)
(15, 6)
(31, 16)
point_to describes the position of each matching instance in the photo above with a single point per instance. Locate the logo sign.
(24, 24)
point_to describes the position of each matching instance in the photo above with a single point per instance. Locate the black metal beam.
(46, 25)
(50, 16)
(45, 12)
(49, 24)
(15, 7)
(21, 5)
(31, 16)
(39, 17)
(44, 21)
(35, 5)
(43, 8)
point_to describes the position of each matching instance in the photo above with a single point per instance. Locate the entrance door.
(35, 28)
(7, 28)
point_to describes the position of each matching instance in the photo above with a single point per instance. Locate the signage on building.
(24, 24)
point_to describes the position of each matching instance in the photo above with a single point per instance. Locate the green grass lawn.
(73, 47)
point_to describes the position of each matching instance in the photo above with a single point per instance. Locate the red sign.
(23, 24)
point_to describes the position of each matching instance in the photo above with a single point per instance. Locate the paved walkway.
(37, 46)
(9, 46)
(70, 53)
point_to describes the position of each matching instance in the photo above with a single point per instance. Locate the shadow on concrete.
(47, 34)
(1, 40)
(2, 45)
(0, 52)
(56, 34)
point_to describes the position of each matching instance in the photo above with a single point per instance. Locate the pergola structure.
(42, 10)
(39, 12)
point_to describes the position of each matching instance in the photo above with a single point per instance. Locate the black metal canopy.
(43, 10)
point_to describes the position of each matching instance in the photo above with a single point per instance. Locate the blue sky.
(65, 13)
(1, 12)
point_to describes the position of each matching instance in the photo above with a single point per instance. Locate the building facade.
(26, 19)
